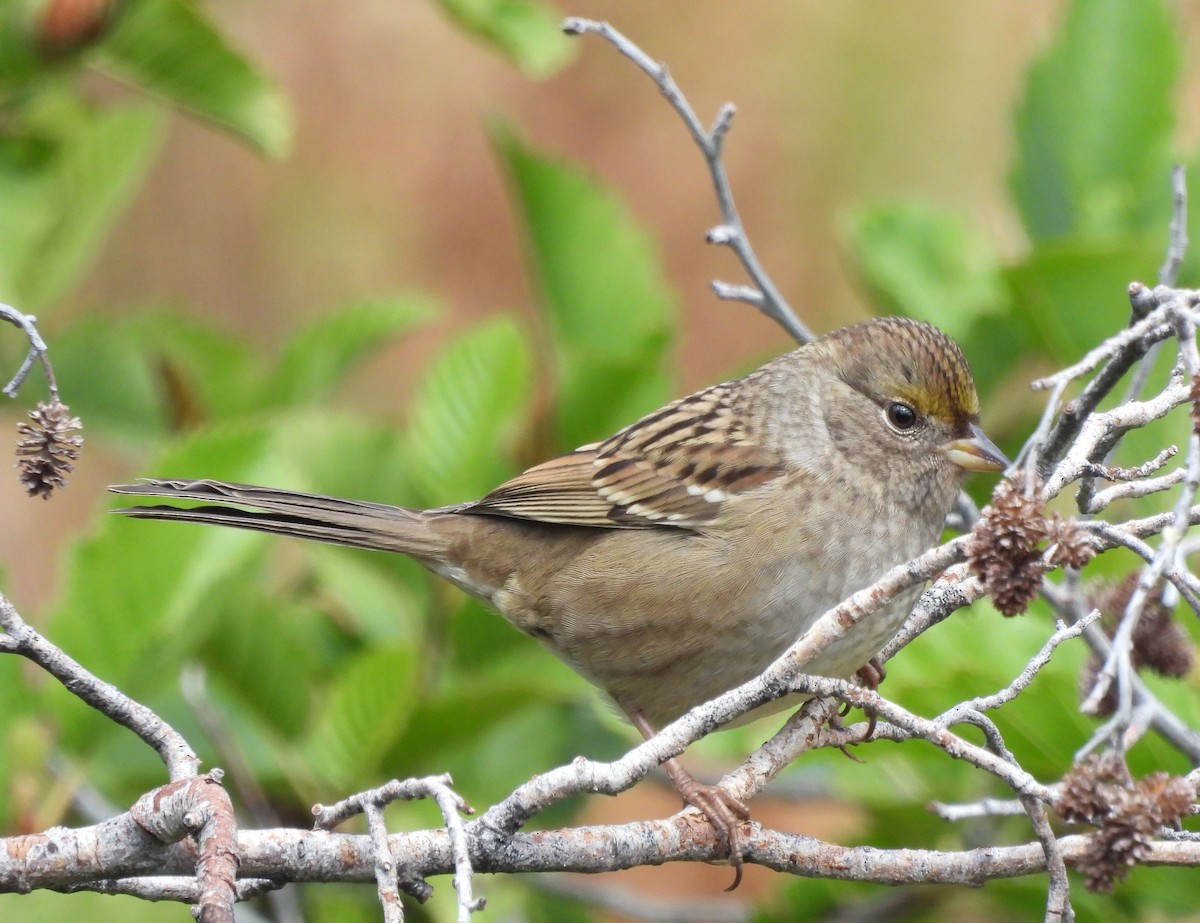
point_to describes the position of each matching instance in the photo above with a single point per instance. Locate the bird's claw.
(726, 814)
(870, 676)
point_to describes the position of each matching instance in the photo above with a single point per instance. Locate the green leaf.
(601, 278)
(47, 907)
(926, 263)
(107, 381)
(490, 741)
(270, 653)
(1094, 125)
(26, 189)
(19, 57)
(317, 359)
(362, 712)
(142, 376)
(94, 164)
(23, 738)
(170, 49)
(156, 372)
(337, 452)
(1069, 294)
(142, 597)
(139, 597)
(469, 409)
(525, 31)
(340, 903)
(377, 605)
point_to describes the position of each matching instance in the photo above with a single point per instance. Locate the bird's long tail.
(357, 523)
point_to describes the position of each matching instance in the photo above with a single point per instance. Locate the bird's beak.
(975, 452)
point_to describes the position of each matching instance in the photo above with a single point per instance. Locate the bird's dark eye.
(901, 416)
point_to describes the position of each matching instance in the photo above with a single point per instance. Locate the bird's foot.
(836, 723)
(870, 676)
(725, 812)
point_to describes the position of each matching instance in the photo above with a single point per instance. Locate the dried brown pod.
(1083, 797)
(1002, 550)
(1070, 546)
(1194, 397)
(1159, 642)
(48, 446)
(1129, 814)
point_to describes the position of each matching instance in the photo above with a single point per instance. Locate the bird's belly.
(752, 639)
(730, 610)
(718, 610)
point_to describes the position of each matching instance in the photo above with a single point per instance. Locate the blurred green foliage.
(526, 31)
(333, 670)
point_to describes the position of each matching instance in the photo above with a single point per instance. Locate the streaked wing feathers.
(674, 467)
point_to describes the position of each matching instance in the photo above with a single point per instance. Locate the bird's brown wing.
(675, 467)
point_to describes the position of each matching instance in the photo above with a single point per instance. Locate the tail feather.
(357, 523)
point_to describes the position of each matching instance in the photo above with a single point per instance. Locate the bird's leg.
(870, 676)
(723, 811)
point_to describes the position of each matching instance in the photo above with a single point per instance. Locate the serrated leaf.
(145, 375)
(25, 189)
(142, 598)
(525, 743)
(95, 168)
(271, 654)
(148, 374)
(170, 49)
(527, 32)
(131, 585)
(362, 712)
(135, 593)
(318, 358)
(604, 293)
(926, 263)
(468, 410)
(1095, 122)
(107, 382)
(379, 605)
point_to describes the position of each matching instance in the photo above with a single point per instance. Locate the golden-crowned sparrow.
(681, 556)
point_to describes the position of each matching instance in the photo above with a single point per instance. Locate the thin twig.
(1058, 898)
(984, 807)
(372, 802)
(38, 352)
(730, 232)
(387, 885)
(1168, 273)
(20, 638)
(1118, 666)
